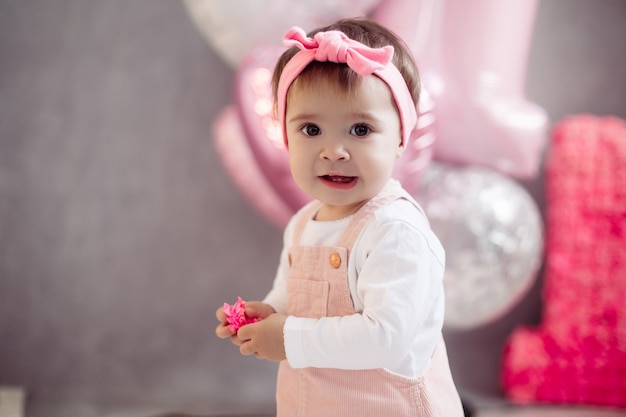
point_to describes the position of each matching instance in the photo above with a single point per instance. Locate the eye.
(310, 129)
(360, 130)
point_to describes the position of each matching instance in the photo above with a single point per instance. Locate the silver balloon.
(492, 232)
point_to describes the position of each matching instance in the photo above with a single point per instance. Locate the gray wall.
(120, 233)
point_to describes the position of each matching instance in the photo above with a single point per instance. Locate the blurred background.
(121, 230)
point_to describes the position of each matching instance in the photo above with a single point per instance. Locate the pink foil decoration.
(577, 355)
(236, 315)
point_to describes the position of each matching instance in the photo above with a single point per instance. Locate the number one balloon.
(473, 59)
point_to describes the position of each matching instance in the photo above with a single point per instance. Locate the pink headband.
(335, 46)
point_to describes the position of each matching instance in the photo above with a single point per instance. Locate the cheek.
(297, 162)
(380, 156)
(302, 151)
(381, 163)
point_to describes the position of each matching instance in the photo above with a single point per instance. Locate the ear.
(400, 150)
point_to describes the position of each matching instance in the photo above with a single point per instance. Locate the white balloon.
(235, 27)
(492, 232)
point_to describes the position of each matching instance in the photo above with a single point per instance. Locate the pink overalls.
(318, 287)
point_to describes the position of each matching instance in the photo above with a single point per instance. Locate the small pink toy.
(236, 314)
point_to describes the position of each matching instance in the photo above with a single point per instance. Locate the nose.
(334, 151)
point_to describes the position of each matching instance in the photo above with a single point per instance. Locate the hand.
(255, 309)
(264, 339)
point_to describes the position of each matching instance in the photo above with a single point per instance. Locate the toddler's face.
(342, 146)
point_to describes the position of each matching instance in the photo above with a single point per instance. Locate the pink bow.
(335, 46)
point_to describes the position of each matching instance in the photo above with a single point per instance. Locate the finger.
(245, 332)
(236, 340)
(224, 331)
(221, 316)
(247, 349)
(258, 309)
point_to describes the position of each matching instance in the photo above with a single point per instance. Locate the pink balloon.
(412, 20)
(473, 59)
(253, 98)
(416, 158)
(239, 162)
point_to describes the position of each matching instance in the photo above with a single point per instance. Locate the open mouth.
(338, 181)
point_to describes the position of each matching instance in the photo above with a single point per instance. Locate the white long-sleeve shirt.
(395, 273)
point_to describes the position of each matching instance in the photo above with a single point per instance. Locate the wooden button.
(290, 261)
(335, 260)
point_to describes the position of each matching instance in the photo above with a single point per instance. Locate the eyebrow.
(303, 116)
(308, 116)
(365, 116)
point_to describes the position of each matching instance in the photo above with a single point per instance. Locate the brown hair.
(366, 32)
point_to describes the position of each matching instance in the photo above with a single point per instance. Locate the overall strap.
(391, 192)
(308, 212)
